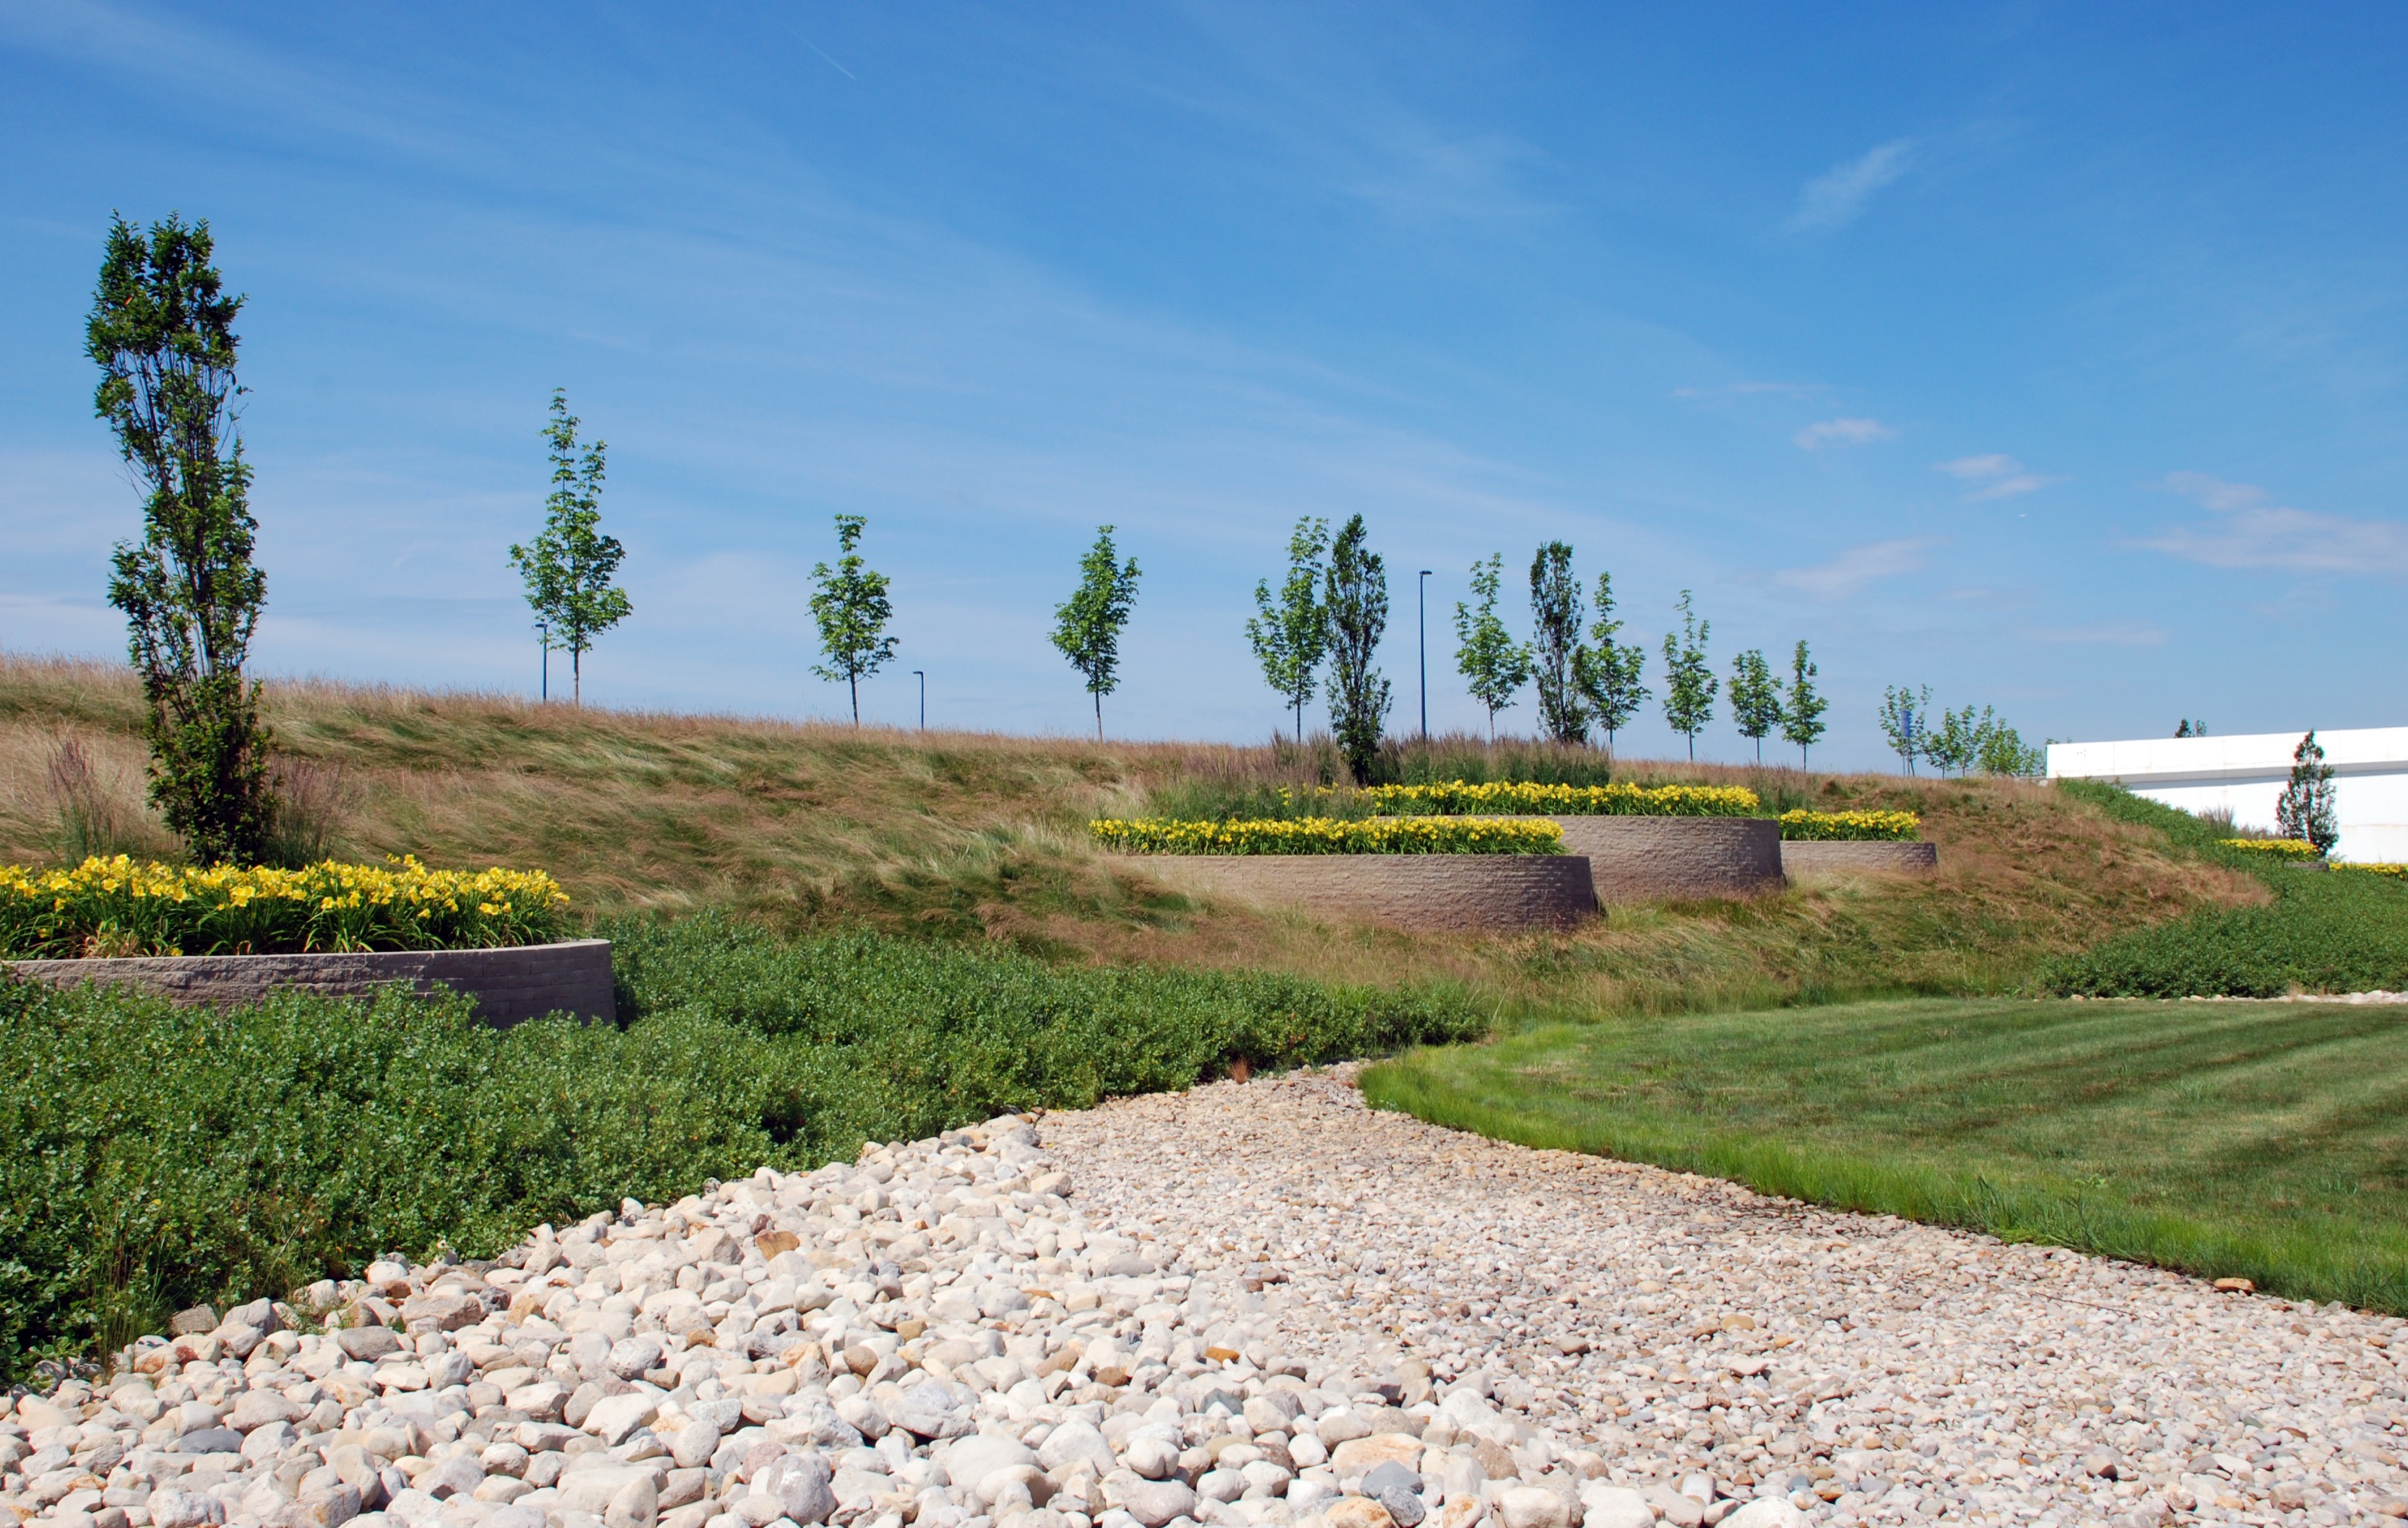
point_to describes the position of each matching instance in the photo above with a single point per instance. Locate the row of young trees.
(1957, 742)
(1584, 674)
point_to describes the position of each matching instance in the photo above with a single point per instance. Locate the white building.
(2245, 775)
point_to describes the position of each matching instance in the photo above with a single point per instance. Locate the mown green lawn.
(2267, 1142)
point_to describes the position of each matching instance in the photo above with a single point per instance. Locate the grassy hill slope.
(973, 835)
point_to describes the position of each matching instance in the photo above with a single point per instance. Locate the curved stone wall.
(1809, 857)
(1674, 859)
(1461, 893)
(510, 985)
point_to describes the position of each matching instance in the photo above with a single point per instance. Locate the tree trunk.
(853, 682)
(576, 677)
(1099, 716)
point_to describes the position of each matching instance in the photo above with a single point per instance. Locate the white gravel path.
(1682, 1326)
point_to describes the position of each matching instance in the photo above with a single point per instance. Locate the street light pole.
(1421, 592)
(544, 631)
(924, 697)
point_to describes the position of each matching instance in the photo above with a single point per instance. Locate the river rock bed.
(1252, 1303)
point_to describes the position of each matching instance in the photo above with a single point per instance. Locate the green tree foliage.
(1087, 626)
(1357, 597)
(1291, 635)
(569, 568)
(1954, 744)
(1754, 698)
(1690, 682)
(1902, 723)
(1610, 676)
(2308, 811)
(1494, 665)
(161, 333)
(1555, 643)
(2188, 728)
(851, 609)
(1801, 711)
(2003, 752)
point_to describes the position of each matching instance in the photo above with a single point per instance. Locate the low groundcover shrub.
(123, 907)
(1330, 836)
(1856, 827)
(1504, 797)
(162, 1156)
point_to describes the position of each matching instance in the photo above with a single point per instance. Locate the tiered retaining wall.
(1470, 893)
(1672, 859)
(510, 985)
(1808, 857)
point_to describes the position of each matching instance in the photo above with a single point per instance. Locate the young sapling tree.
(1555, 643)
(1494, 666)
(2308, 809)
(1290, 634)
(850, 608)
(1802, 709)
(1610, 676)
(569, 568)
(1754, 698)
(1087, 626)
(1690, 682)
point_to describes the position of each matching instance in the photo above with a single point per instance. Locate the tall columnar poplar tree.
(1494, 666)
(1555, 643)
(1357, 596)
(1291, 633)
(850, 608)
(569, 568)
(161, 333)
(1690, 682)
(1802, 709)
(1754, 698)
(1609, 675)
(2307, 810)
(1087, 626)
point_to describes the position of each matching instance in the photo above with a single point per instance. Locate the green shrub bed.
(162, 1156)
(1458, 797)
(1850, 827)
(2322, 932)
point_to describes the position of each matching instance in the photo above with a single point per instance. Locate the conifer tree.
(1357, 597)
(1555, 642)
(2308, 811)
(162, 332)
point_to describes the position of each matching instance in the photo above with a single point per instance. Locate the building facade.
(2245, 775)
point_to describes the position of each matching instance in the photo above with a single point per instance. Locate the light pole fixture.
(923, 674)
(1421, 593)
(543, 634)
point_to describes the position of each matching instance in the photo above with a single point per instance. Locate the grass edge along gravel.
(161, 1157)
(2362, 1262)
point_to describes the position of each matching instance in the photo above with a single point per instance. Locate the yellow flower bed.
(2397, 872)
(120, 907)
(1461, 797)
(1330, 836)
(1859, 827)
(2283, 849)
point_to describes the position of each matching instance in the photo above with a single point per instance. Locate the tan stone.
(1358, 1512)
(1357, 1455)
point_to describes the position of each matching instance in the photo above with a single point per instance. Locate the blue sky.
(2051, 356)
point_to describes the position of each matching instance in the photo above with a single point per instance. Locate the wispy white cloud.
(1834, 198)
(2248, 530)
(2129, 634)
(1848, 573)
(1842, 431)
(2001, 476)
